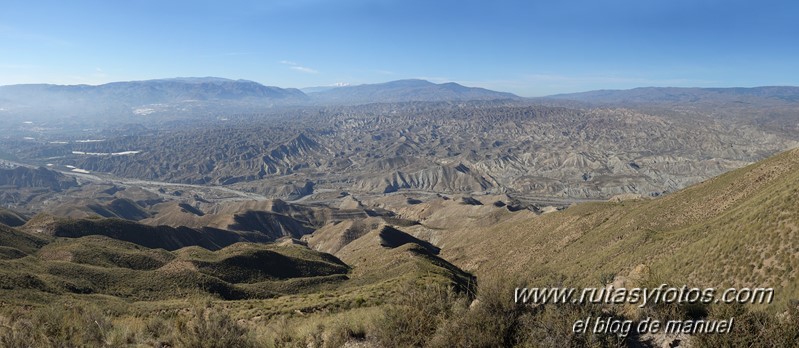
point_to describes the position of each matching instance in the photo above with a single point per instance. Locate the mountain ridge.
(478, 92)
(406, 90)
(181, 98)
(672, 94)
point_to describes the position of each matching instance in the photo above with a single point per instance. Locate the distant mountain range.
(188, 89)
(773, 108)
(152, 96)
(404, 90)
(140, 98)
(196, 96)
(150, 91)
(686, 95)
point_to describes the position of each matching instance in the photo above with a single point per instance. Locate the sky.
(531, 48)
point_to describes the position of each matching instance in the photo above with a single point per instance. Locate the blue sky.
(530, 48)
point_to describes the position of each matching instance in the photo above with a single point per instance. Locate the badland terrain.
(195, 212)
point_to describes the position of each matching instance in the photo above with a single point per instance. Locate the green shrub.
(208, 327)
(58, 325)
(495, 320)
(753, 328)
(415, 316)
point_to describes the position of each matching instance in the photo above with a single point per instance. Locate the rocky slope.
(484, 147)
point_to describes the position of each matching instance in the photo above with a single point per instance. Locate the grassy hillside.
(101, 265)
(80, 266)
(405, 281)
(738, 229)
(15, 243)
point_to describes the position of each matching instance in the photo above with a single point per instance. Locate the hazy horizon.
(388, 81)
(527, 49)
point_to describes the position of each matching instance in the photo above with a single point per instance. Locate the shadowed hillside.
(24, 177)
(15, 244)
(170, 238)
(11, 218)
(100, 265)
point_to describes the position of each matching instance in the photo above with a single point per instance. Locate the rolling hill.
(164, 237)
(101, 265)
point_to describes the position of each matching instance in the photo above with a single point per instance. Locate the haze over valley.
(425, 137)
(379, 174)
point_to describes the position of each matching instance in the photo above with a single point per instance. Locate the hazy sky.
(531, 48)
